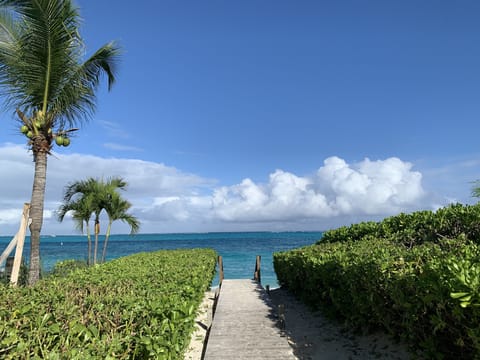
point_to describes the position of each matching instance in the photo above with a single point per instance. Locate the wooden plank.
(20, 241)
(8, 250)
(245, 325)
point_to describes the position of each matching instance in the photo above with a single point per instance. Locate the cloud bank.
(166, 199)
(367, 188)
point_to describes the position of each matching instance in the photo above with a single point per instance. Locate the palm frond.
(132, 221)
(476, 188)
(41, 66)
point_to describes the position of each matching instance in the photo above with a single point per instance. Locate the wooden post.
(20, 241)
(220, 270)
(256, 274)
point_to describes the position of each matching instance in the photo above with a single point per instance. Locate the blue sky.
(233, 98)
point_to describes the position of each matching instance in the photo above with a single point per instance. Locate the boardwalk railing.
(220, 271)
(256, 274)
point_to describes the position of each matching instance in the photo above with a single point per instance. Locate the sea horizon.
(238, 249)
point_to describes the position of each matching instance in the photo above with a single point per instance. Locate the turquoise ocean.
(238, 249)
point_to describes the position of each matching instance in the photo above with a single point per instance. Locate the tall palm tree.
(117, 209)
(44, 79)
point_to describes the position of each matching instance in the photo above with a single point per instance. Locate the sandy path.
(202, 323)
(314, 337)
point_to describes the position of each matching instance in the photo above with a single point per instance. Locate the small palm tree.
(93, 196)
(79, 198)
(82, 213)
(117, 209)
(44, 79)
(105, 191)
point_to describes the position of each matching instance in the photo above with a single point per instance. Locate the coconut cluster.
(38, 125)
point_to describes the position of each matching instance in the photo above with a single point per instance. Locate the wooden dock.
(245, 325)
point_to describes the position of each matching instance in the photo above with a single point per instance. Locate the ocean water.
(238, 250)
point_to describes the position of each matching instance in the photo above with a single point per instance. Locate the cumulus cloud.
(167, 199)
(369, 187)
(366, 188)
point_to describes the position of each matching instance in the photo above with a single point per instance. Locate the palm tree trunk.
(89, 240)
(97, 231)
(36, 214)
(107, 235)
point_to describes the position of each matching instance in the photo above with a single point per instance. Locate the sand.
(313, 336)
(202, 323)
(310, 334)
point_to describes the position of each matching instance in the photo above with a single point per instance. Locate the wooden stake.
(20, 241)
(256, 274)
(220, 269)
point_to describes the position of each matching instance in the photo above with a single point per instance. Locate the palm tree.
(81, 214)
(92, 196)
(82, 209)
(43, 78)
(104, 193)
(116, 209)
(84, 198)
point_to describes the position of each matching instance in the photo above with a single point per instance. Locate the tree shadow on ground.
(312, 336)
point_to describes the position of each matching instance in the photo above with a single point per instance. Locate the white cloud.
(113, 129)
(121, 147)
(337, 189)
(167, 199)
(10, 216)
(370, 187)
(147, 181)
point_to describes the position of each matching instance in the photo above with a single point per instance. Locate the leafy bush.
(63, 268)
(416, 228)
(22, 276)
(138, 307)
(414, 294)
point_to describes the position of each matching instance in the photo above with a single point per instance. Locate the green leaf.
(458, 295)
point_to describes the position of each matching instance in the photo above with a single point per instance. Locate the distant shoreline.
(182, 233)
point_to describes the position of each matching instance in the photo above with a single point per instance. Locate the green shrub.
(416, 228)
(411, 293)
(353, 232)
(63, 268)
(138, 307)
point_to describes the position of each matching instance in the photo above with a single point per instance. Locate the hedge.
(416, 276)
(137, 307)
(416, 228)
(374, 284)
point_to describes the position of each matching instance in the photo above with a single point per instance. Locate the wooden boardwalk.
(245, 326)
